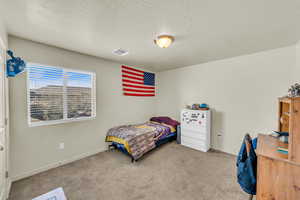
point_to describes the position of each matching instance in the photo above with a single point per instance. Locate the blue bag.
(246, 168)
(15, 65)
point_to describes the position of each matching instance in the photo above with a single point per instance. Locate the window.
(57, 95)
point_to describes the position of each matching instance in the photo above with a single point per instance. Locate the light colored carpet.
(171, 172)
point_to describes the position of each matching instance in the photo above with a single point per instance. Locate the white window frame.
(65, 106)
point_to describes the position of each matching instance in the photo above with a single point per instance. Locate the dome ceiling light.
(120, 52)
(164, 41)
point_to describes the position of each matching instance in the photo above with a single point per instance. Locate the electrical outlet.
(61, 145)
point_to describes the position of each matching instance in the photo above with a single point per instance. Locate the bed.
(138, 139)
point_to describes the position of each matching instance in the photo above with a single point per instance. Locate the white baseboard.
(54, 165)
(222, 151)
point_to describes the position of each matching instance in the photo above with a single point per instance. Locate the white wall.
(3, 34)
(242, 92)
(35, 149)
(296, 71)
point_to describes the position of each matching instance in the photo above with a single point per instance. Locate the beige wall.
(35, 149)
(3, 34)
(242, 92)
(296, 72)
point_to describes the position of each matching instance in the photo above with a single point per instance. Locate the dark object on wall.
(15, 65)
(178, 135)
(294, 90)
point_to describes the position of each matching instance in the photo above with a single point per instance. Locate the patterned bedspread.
(138, 139)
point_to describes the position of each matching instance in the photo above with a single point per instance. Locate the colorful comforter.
(140, 138)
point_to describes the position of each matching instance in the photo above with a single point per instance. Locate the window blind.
(57, 95)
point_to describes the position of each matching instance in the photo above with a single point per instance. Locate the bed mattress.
(138, 139)
(163, 140)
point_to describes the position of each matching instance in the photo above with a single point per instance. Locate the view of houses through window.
(57, 94)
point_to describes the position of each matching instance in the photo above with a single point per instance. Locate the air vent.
(120, 52)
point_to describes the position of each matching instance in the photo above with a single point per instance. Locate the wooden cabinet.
(289, 121)
(278, 178)
(278, 175)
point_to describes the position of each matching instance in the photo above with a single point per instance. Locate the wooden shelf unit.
(278, 175)
(289, 121)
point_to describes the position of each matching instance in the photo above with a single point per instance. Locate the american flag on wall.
(136, 82)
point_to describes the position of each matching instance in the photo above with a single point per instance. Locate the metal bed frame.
(158, 143)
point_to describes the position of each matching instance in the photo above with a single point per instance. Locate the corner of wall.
(298, 51)
(266, 75)
(296, 71)
(3, 34)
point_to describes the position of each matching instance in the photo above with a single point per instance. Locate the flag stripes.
(141, 95)
(132, 69)
(137, 86)
(136, 82)
(129, 81)
(132, 77)
(134, 90)
(131, 73)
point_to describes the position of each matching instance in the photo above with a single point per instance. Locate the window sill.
(46, 123)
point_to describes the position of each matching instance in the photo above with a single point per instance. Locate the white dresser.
(195, 129)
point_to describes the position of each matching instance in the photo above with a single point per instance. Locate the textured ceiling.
(204, 30)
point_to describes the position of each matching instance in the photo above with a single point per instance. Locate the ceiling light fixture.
(120, 52)
(164, 41)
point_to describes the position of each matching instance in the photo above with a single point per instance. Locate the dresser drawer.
(194, 134)
(195, 126)
(194, 143)
(194, 119)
